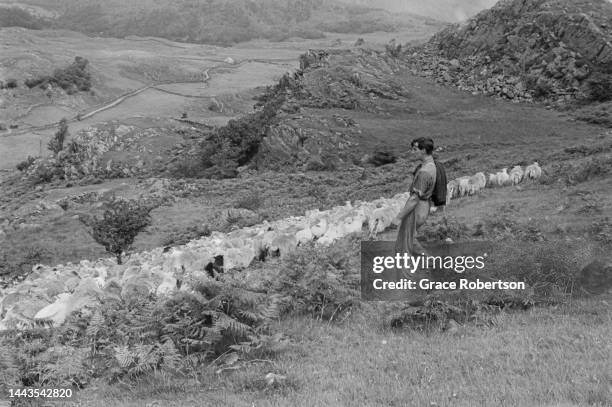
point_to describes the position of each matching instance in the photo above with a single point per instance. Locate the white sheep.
(451, 190)
(533, 171)
(502, 177)
(463, 185)
(516, 174)
(380, 219)
(477, 182)
(492, 180)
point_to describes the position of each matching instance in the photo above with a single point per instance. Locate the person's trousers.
(406, 236)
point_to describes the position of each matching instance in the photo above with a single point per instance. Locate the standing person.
(417, 207)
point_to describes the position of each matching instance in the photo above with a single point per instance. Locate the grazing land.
(173, 124)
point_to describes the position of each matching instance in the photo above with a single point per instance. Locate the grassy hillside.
(309, 351)
(221, 22)
(443, 10)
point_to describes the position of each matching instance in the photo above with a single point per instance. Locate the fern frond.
(145, 355)
(250, 315)
(96, 323)
(171, 358)
(272, 311)
(227, 324)
(68, 366)
(9, 373)
(124, 356)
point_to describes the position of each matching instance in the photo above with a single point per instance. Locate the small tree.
(56, 144)
(118, 227)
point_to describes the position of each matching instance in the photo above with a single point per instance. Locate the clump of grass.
(16, 260)
(447, 228)
(551, 267)
(194, 232)
(187, 168)
(592, 168)
(251, 201)
(382, 157)
(25, 164)
(601, 231)
(72, 79)
(504, 228)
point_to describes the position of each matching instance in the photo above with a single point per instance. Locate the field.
(547, 357)
(555, 352)
(121, 67)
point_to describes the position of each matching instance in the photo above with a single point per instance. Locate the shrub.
(184, 236)
(447, 228)
(25, 164)
(382, 157)
(45, 173)
(73, 78)
(56, 144)
(592, 168)
(551, 268)
(133, 337)
(542, 89)
(18, 260)
(393, 49)
(121, 222)
(187, 168)
(237, 143)
(11, 83)
(33, 82)
(599, 87)
(17, 17)
(323, 283)
(251, 201)
(601, 231)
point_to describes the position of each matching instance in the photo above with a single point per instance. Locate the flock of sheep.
(157, 270)
(467, 185)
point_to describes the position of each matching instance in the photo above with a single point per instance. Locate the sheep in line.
(492, 180)
(516, 174)
(451, 190)
(503, 178)
(533, 171)
(467, 185)
(463, 186)
(477, 182)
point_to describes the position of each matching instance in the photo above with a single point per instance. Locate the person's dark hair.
(424, 143)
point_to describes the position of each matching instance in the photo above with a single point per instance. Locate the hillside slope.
(443, 10)
(556, 50)
(221, 22)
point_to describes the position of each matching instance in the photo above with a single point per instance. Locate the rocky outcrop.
(348, 79)
(523, 49)
(289, 144)
(100, 152)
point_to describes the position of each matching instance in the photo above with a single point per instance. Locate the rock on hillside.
(548, 49)
(346, 79)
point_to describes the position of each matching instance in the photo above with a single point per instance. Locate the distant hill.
(443, 10)
(220, 22)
